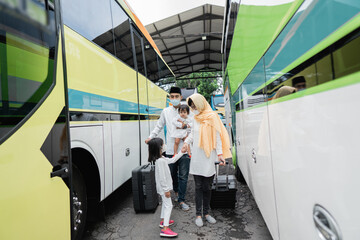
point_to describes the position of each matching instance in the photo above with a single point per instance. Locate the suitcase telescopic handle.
(217, 174)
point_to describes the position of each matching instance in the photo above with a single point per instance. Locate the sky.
(149, 11)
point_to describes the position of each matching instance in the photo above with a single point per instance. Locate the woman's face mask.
(196, 112)
(194, 109)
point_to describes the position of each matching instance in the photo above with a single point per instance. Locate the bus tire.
(79, 207)
(238, 174)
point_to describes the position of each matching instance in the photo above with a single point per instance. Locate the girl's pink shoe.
(171, 222)
(167, 233)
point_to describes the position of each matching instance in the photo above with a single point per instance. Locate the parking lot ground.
(121, 221)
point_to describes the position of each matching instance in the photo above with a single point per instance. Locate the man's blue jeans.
(180, 173)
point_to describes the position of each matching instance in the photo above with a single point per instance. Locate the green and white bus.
(292, 93)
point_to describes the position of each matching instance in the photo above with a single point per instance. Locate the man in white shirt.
(180, 169)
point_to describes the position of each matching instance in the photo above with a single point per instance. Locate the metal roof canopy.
(191, 41)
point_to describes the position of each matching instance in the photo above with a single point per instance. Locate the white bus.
(112, 67)
(293, 81)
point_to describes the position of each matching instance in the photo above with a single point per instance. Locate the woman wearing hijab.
(283, 91)
(210, 144)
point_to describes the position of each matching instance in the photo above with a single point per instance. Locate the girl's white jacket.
(162, 173)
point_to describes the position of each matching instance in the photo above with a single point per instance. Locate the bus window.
(139, 53)
(121, 25)
(163, 69)
(346, 59)
(323, 70)
(330, 64)
(151, 62)
(218, 101)
(27, 53)
(92, 19)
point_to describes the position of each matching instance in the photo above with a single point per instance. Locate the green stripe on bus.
(348, 27)
(253, 107)
(331, 85)
(247, 36)
(334, 84)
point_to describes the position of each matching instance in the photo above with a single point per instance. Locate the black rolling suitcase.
(145, 197)
(223, 190)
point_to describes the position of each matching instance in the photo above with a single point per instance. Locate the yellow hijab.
(210, 123)
(283, 91)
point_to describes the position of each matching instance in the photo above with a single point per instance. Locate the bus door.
(34, 146)
(143, 107)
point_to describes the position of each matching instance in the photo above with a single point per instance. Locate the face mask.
(175, 102)
(196, 112)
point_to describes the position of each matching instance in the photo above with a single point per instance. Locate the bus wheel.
(238, 174)
(79, 207)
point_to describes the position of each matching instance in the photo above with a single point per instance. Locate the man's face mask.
(175, 99)
(175, 102)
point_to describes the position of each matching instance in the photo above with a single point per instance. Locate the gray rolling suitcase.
(223, 190)
(145, 197)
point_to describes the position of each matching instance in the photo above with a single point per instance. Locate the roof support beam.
(191, 53)
(186, 46)
(164, 43)
(204, 17)
(182, 74)
(208, 55)
(189, 35)
(190, 45)
(195, 40)
(193, 64)
(204, 27)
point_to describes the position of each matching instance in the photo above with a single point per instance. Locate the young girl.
(163, 182)
(182, 125)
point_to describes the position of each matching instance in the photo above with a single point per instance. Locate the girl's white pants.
(166, 208)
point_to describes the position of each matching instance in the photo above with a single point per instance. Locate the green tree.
(206, 82)
(207, 88)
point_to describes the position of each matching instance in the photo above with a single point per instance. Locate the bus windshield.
(219, 101)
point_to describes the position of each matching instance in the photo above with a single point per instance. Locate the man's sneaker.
(199, 222)
(176, 198)
(167, 233)
(210, 219)
(171, 222)
(184, 206)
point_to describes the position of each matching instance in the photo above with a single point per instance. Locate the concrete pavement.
(121, 221)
